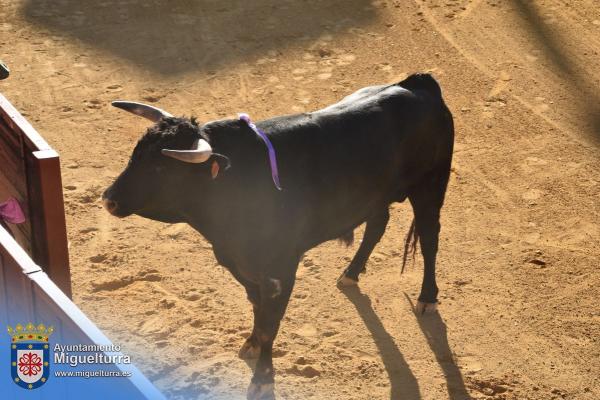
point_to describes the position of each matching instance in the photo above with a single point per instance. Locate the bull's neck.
(200, 210)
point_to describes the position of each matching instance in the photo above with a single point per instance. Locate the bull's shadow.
(435, 331)
(404, 385)
(172, 37)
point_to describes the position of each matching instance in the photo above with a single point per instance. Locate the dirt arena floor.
(519, 255)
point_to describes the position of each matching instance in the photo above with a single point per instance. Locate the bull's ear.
(218, 163)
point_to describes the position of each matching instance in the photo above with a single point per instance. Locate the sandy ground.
(518, 264)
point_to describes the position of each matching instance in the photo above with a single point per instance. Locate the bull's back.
(341, 164)
(374, 137)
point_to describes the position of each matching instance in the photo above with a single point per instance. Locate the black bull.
(339, 167)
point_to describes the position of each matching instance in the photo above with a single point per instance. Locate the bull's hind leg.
(427, 199)
(373, 232)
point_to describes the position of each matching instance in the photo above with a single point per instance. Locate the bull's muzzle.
(110, 205)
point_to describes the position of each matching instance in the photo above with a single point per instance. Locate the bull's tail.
(410, 243)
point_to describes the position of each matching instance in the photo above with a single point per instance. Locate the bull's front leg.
(274, 296)
(251, 347)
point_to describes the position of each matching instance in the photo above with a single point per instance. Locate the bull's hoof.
(249, 350)
(261, 391)
(425, 308)
(345, 281)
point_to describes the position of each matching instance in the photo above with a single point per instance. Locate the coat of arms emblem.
(30, 355)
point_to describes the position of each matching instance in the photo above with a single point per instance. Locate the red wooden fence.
(30, 172)
(34, 264)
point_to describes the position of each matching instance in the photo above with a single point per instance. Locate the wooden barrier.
(35, 281)
(30, 172)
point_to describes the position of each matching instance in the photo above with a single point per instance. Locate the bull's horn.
(152, 113)
(200, 152)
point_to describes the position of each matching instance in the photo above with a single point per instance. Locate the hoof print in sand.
(120, 282)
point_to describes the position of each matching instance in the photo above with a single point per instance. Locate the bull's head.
(160, 166)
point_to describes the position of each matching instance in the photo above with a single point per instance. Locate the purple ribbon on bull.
(10, 211)
(270, 148)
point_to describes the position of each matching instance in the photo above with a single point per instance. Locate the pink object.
(10, 211)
